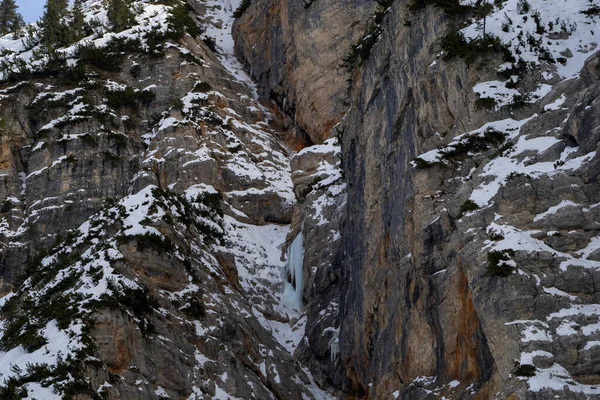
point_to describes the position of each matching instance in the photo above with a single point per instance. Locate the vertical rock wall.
(419, 309)
(294, 50)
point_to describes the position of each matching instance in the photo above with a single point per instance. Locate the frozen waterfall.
(294, 278)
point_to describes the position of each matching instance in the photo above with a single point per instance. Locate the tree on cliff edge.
(10, 19)
(78, 21)
(120, 15)
(55, 32)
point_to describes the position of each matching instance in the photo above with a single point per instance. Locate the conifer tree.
(10, 19)
(55, 33)
(78, 21)
(119, 14)
(482, 10)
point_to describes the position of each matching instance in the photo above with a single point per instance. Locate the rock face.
(466, 267)
(448, 210)
(294, 50)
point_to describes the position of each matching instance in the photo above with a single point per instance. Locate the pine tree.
(119, 14)
(78, 21)
(10, 19)
(482, 10)
(55, 33)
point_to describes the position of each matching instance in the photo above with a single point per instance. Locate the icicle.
(334, 346)
(294, 274)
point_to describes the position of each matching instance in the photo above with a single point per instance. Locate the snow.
(556, 292)
(35, 391)
(557, 378)
(220, 16)
(567, 328)
(454, 384)
(554, 209)
(528, 358)
(329, 146)
(138, 206)
(570, 30)
(60, 344)
(587, 310)
(499, 169)
(496, 90)
(556, 104)
(590, 329)
(592, 344)
(592, 247)
(515, 239)
(161, 392)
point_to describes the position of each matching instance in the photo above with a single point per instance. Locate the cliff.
(466, 260)
(321, 199)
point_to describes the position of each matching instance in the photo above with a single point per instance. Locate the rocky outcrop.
(295, 50)
(321, 193)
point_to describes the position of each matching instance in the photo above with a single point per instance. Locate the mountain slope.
(152, 200)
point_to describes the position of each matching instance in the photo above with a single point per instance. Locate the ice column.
(294, 267)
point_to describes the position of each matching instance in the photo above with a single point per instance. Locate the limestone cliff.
(467, 262)
(323, 199)
(294, 50)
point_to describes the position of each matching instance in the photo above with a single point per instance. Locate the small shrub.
(526, 370)
(485, 103)
(149, 241)
(145, 97)
(212, 201)
(497, 263)
(523, 7)
(121, 98)
(194, 307)
(71, 159)
(513, 84)
(467, 206)
(129, 98)
(454, 45)
(519, 101)
(495, 237)
(180, 22)
(6, 206)
(242, 8)
(202, 87)
(211, 43)
(361, 51)
(98, 57)
(135, 70)
(155, 42)
(594, 10)
(475, 143)
(212, 118)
